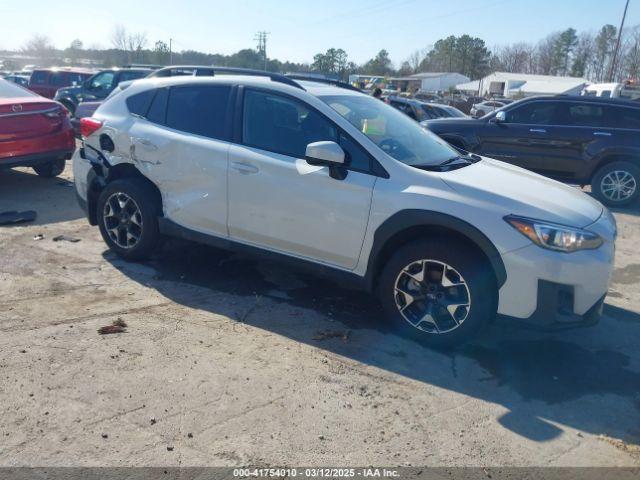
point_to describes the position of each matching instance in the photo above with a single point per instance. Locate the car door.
(99, 86)
(278, 201)
(578, 131)
(181, 144)
(525, 138)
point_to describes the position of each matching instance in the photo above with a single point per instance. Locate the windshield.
(395, 133)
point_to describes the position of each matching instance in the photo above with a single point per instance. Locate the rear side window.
(39, 77)
(282, 125)
(158, 111)
(58, 79)
(585, 115)
(622, 117)
(139, 104)
(201, 110)
(126, 76)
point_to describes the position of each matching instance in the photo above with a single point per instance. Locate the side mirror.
(501, 117)
(327, 154)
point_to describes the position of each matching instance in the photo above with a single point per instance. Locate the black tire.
(50, 169)
(609, 171)
(143, 197)
(480, 283)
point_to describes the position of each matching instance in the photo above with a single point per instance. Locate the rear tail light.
(88, 126)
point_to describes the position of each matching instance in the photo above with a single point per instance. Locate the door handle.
(244, 168)
(537, 130)
(602, 134)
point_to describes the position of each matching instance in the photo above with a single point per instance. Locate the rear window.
(200, 110)
(12, 90)
(139, 104)
(39, 77)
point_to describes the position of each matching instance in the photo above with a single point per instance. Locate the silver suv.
(327, 177)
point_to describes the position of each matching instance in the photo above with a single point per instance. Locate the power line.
(615, 52)
(261, 38)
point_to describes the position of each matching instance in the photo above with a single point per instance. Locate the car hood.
(447, 123)
(520, 192)
(68, 91)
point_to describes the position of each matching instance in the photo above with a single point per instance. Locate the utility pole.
(261, 38)
(615, 52)
(170, 51)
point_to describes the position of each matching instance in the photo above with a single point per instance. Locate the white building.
(429, 81)
(523, 85)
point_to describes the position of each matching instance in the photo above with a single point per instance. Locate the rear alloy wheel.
(438, 291)
(123, 220)
(617, 184)
(50, 169)
(128, 218)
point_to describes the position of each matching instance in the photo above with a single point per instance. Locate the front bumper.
(554, 290)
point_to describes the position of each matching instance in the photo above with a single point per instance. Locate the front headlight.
(553, 236)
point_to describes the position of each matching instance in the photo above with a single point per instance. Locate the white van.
(626, 90)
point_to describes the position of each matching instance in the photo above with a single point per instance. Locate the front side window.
(534, 113)
(283, 125)
(199, 109)
(102, 81)
(392, 131)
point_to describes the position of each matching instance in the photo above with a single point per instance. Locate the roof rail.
(213, 71)
(276, 77)
(328, 81)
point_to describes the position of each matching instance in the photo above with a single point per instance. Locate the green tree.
(379, 65)
(604, 44)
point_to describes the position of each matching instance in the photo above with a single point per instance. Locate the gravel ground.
(229, 361)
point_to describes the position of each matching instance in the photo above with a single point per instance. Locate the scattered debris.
(13, 217)
(39, 236)
(23, 351)
(120, 323)
(327, 334)
(630, 448)
(65, 238)
(118, 326)
(105, 435)
(190, 435)
(153, 421)
(169, 448)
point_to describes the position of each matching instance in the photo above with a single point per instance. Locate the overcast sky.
(301, 28)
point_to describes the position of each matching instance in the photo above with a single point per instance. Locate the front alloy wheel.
(432, 296)
(440, 291)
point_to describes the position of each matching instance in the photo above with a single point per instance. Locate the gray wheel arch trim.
(405, 219)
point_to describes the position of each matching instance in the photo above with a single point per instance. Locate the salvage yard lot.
(231, 361)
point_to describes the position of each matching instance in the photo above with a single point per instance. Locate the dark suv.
(47, 81)
(578, 140)
(98, 87)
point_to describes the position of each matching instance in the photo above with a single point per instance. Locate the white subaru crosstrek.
(327, 177)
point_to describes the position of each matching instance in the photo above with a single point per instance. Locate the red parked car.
(34, 131)
(47, 81)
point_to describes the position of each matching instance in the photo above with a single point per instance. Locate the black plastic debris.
(65, 238)
(9, 218)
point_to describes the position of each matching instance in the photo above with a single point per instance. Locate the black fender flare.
(406, 219)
